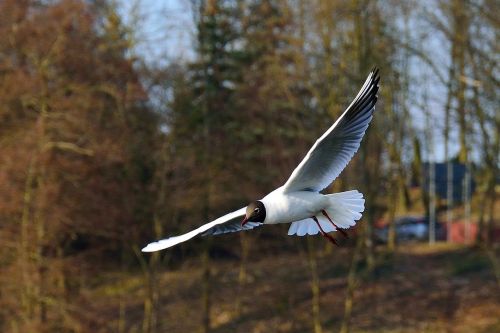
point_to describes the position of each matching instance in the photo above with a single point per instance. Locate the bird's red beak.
(245, 220)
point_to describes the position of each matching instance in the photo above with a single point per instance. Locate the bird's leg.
(336, 227)
(323, 233)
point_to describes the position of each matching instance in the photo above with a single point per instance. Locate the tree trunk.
(316, 320)
(449, 165)
(121, 302)
(391, 236)
(24, 249)
(242, 274)
(491, 220)
(459, 42)
(352, 283)
(363, 44)
(151, 301)
(206, 288)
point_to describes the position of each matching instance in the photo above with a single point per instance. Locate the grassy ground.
(443, 288)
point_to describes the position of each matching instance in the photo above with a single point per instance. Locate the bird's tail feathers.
(345, 209)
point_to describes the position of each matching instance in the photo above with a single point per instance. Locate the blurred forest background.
(104, 149)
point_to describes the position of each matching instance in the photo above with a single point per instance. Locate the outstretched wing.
(228, 223)
(334, 149)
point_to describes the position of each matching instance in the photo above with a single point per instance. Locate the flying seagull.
(299, 200)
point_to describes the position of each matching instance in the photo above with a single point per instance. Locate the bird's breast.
(289, 207)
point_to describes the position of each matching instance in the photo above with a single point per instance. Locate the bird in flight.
(299, 200)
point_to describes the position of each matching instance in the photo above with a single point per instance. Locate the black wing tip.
(371, 92)
(369, 96)
(375, 76)
(375, 79)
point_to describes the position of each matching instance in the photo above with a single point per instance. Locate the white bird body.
(283, 207)
(299, 200)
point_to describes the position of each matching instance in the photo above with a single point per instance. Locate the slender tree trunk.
(205, 256)
(467, 201)
(316, 320)
(363, 44)
(152, 304)
(488, 177)
(391, 236)
(121, 302)
(491, 219)
(459, 42)
(206, 288)
(24, 249)
(432, 203)
(242, 274)
(40, 290)
(449, 165)
(352, 283)
(151, 301)
(148, 307)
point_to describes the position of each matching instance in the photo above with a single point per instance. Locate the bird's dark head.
(256, 212)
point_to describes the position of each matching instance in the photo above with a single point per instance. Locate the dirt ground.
(420, 288)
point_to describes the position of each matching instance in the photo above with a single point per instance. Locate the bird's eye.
(256, 210)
